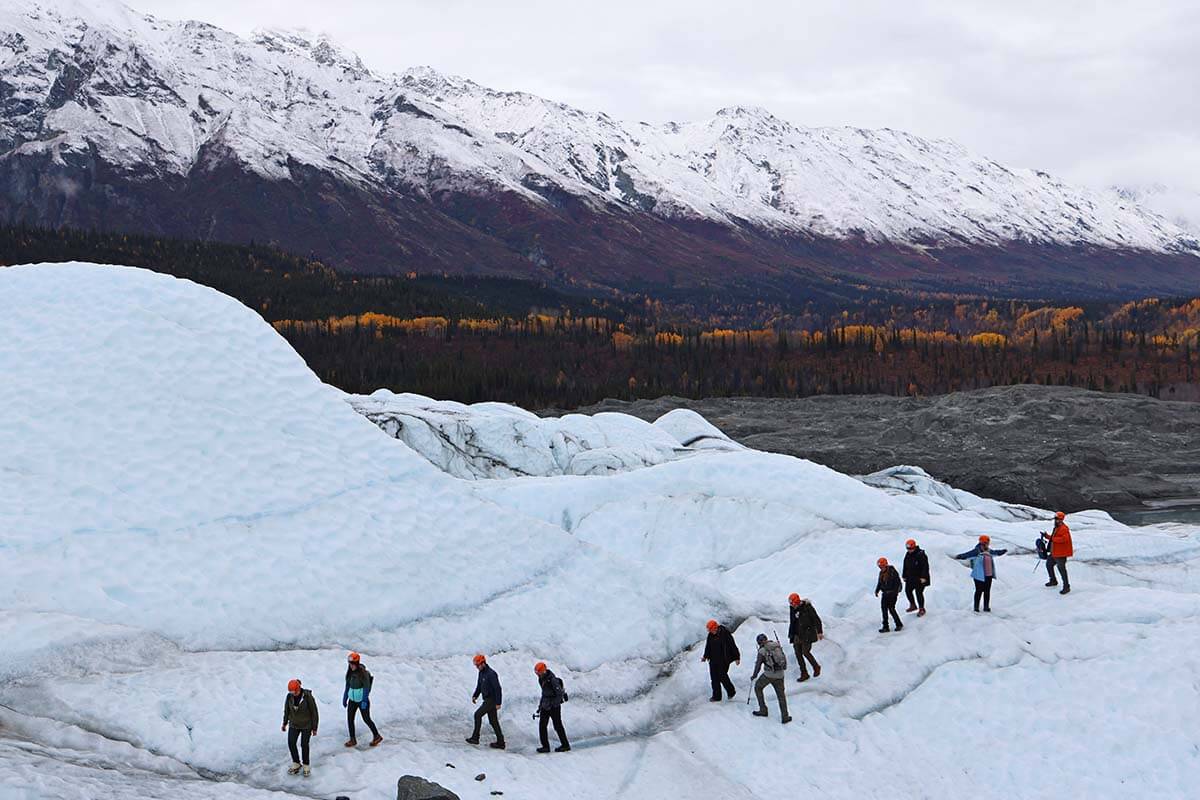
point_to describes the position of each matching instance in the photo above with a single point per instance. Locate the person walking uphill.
(983, 570)
(804, 630)
(300, 719)
(916, 577)
(720, 651)
(1060, 549)
(773, 664)
(889, 586)
(488, 688)
(550, 709)
(356, 698)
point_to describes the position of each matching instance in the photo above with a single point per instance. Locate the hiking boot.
(293, 769)
(816, 670)
(732, 693)
(921, 613)
(759, 713)
(351, 743)
(543, 750)
(375, 742)
(910, 609)
(472, 740)
(899, 626)
(714, 699)
(1052, 583)
(497, 745)
(563, 748)
(1065, 590)
(885, 629)
(988, 610)
(803, 677)
(307, 770)
(786, 720)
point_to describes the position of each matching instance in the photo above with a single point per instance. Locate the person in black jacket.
(720, 651)
(804, 630)
(550, 709)
(889, 586)
(300, 719)
(487, 687)
(916, 577)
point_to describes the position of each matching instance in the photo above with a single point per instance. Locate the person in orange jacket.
(1060, 549)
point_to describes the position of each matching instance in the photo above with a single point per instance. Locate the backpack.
(1040, 544)
(560, 690)
(775, 659)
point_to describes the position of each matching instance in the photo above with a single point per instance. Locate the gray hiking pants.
(777, 684)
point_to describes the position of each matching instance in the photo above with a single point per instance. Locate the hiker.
(1059, 549)
(550, 709)
(300, 718)
(889, 585)
(916, 577)
(804, 630)
(356, 698)
(487, 687)
(983, 570)
(773, 663)
(720, 651)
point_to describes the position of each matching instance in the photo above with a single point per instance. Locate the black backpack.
(1040, 544)
(560, 690)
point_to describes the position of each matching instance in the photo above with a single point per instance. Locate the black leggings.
(547, 716)
(887, 604)
(983, 589)
(294, 734)
(1061, 563)
(351, 709)
(915, 589)
(488, 710)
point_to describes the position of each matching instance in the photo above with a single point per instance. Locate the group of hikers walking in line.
(300, 714)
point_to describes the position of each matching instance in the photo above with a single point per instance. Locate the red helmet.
(793, 599)
(881, 563)
(1058, 515)
(354, 658)
(712, 626)
(911, 543)
(294, 685)
(985, 539)
(539, 667)
(479, 659)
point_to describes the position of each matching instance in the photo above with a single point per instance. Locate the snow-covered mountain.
(189, 519)
(116, 119)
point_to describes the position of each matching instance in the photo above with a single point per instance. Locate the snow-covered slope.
(190, 519)
(168, 101)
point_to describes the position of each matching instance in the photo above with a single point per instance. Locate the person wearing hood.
(916, 577)
(720, 650)
(300, 720)
(356, 698)
(983, 570)
(804, 630)
(550, 708)
(889, 586)
(773, 663)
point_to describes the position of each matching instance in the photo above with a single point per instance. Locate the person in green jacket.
(300, 719)
(357, 698)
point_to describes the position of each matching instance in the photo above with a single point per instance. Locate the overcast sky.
(1102, 92)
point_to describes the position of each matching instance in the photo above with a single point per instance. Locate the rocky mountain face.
(112, 119)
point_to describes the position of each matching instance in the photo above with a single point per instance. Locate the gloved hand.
(345, 702)
(364, 704)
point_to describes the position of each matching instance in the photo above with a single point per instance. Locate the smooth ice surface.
(189, 518)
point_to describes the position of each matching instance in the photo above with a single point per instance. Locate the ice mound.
(493, 440)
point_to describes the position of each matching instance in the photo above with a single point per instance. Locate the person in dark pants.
(300, 719)
(889, 586)
(720, 651)
(773, 664)
(550, 709)
(356, 698)
(983, 570)
(1059, 549)
(487, 687)
(916, 577)
(804, 630)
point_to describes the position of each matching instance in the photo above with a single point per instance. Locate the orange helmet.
(985, 539)
(881, 562)
(793, 599)
(712, 626)
(1058, 515)
(294, 685)
(539, 667)
(911, 543)
(479, 659)
(354, 658)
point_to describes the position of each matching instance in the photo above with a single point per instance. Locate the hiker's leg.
(1050, 569)
(366, 715)
(978, 593)
(293, 734)
(920, 595)
(351, 710)
(304, 737)
(556, 718)
(759, 685)
(480, 713)
(987, 593)
(494, 720)
(781, 693)
(1061, 563)
(543, 733)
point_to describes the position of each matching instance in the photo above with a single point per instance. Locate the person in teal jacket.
(357, 698)
(983, 570)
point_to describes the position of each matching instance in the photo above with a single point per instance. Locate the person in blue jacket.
(983, 570)
(487, 687)
(356, 698)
